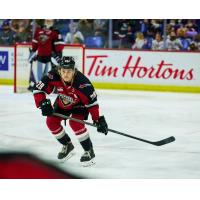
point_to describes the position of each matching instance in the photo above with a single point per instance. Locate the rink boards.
(128, 70)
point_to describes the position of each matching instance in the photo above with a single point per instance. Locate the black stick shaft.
(157, 143)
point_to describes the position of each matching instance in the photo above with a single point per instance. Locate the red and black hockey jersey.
(46, 41)
(80, 93)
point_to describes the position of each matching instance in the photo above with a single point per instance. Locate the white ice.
(149, 115)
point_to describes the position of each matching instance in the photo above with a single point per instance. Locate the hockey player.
(76, 97)
(47, 43)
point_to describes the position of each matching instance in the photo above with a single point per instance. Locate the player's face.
(67, 74)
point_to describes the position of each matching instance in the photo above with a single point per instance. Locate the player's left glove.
(101, 125)
(46, 107)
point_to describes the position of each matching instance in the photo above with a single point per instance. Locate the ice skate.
(87, 159)
(66, 152)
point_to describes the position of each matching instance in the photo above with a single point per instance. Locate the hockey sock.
(85, 141)
(64, 140)
(62, 137)
(86, 144)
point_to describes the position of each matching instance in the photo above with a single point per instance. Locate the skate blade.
(88, 163)
(72, 153)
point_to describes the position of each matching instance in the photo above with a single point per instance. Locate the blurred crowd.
(147, 34)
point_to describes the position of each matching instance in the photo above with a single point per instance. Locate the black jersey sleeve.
(85, 87)
(45, 86)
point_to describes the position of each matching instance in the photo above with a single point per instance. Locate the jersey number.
(40, 85)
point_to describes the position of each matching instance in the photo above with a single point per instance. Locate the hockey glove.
(46, 107)
(101, 125)
(55, 58)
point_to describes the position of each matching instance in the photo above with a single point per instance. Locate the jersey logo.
(84, 85)
(66, 100)
(43, 38)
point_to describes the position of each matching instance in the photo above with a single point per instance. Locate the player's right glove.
(101, 125)
(46, 107)
(55, 58)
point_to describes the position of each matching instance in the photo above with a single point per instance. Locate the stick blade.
(165, 141)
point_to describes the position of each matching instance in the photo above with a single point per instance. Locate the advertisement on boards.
(143, 67)
(4, 60)
(6, 64)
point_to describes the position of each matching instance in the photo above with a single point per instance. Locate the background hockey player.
(47, 43)
(76, 97)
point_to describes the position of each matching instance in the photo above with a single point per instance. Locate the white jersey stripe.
(90, 105)
(38, 91)
(60, 42)
(34, 41)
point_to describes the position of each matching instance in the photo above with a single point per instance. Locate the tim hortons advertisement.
(143, 67)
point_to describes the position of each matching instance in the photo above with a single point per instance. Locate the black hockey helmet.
(67, 62)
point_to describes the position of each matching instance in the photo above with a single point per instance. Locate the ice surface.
(149, 115)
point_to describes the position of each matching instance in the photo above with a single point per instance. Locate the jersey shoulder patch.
(81, 81)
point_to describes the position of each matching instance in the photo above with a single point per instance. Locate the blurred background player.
(47, 42)
(76, 97)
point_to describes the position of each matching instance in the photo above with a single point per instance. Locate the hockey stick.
(32, 80)
(31, 71)
(157, 143)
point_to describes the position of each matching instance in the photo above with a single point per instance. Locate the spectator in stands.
(172, 23)
(195, 44)
(173, 43)
(182, 31)
(22, 29)
(100, 27)
(123, 43)
(130, 36)
(24, 34)
(124, 32)
(63, 26)
(149, 37)
(197, 40)
(117, 24)
(74, 36)
(2, 21)
(18, 23)
(182, 35)
(157, 43)
(144, 26)
(191, 29)
(169, 29)
(85, 26)
(140, 41)
(135, 26)
(157, 25)
(7, 36)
